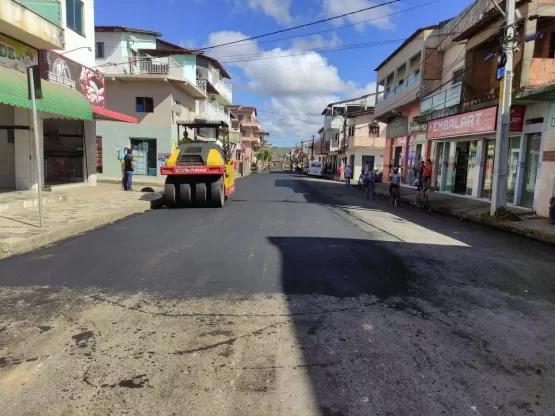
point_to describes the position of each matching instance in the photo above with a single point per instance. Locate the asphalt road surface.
(298, 298)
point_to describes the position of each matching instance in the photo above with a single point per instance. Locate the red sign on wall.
(481, 121)
(517, 117)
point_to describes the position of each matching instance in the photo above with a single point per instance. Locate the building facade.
(445, 108)
(252, 135)
(365, 141)
(58, 37)
(334, 134)
(167, 88)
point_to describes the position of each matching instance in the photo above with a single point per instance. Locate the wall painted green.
(116, 135)
(189, 65)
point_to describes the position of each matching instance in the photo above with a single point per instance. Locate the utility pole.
(499, 188)
(302, 151)
(312, 155)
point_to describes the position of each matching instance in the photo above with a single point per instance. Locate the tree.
(264, 155)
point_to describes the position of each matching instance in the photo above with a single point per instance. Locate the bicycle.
(395, 196)
(422, 197)
(370, 194)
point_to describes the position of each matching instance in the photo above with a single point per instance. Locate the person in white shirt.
(394, 179)
(348, 175)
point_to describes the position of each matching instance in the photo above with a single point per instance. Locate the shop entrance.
(7, 159)
(461, 167)
(144, 155)
(530, 176)
(64, 152)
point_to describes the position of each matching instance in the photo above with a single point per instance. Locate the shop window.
(144, 105)
(99, 50)
(144, 155)
(74, 16)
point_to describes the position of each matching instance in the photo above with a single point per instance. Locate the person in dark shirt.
(129, 169)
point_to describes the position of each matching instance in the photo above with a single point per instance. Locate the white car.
(315, 168)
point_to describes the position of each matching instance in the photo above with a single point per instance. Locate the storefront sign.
(61, 70)
(482, 121)
(517, 117)
(397, 127)
(16, 55)
(399, 141)
(415, 127)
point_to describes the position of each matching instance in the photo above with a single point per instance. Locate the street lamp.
(76, 49)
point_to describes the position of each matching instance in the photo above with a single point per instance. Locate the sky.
(290, 77)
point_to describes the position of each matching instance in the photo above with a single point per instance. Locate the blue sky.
(289, 88)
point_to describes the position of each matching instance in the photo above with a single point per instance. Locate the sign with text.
(16, 55)
(415, 127)
(397, 127)
(63, 71)
(517, 117)
(482, 121)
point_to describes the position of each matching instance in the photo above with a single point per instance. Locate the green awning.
(57, 99)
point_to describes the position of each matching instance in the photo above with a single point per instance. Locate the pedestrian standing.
(121, 158)
(348, 175)
(129, 170)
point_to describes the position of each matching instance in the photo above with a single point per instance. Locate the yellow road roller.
(199, 173)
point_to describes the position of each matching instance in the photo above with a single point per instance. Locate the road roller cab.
(198, 173)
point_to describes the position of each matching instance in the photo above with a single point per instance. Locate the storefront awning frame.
(56, 99)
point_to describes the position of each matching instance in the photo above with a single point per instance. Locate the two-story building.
(168, 89)
(334, 133)
(251, 134)
(365, 141)
(58, 36)
(462, 113)
(412, 70)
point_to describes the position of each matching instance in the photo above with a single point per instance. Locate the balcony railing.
(333, 122)
(156, 66)
(365, 141)
(250, 122)
(51, 10)
(212, 111)
(442, 99)
(385, 95)
(201, 85)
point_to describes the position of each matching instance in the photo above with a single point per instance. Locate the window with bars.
(374, 129)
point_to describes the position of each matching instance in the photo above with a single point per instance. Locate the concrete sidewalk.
(67, 214)
(469, 209)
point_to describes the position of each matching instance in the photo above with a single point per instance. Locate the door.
(439, 165)
(369, 159)
(531, 163)
(461, 167)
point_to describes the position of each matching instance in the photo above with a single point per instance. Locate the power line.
(297, 27)
(336, 28)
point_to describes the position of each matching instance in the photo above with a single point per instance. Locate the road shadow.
(340, 267)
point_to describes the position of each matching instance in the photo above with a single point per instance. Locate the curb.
(504, 226)
(40, 241)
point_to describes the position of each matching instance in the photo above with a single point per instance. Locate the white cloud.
(335, 8)
(316, 41)
(298, 86)
(279, 10)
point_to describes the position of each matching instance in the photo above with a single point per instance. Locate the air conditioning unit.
(177, 109)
